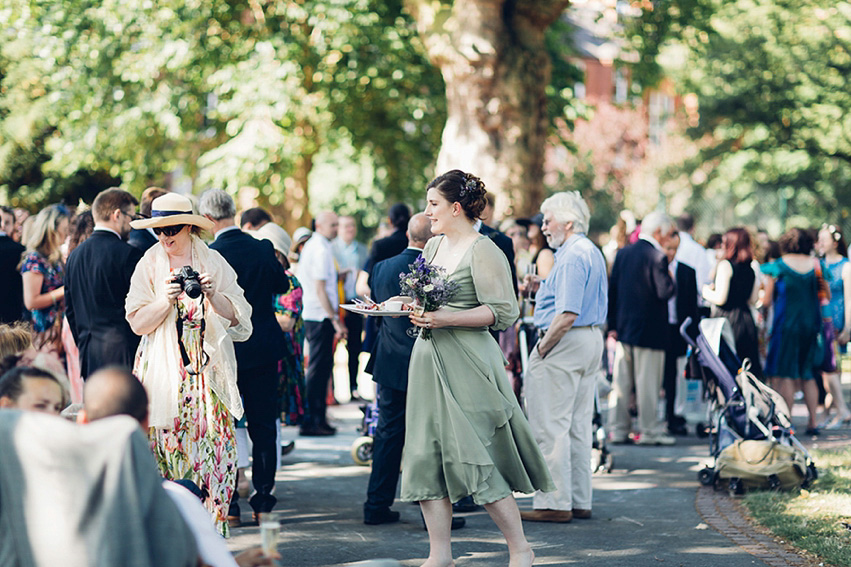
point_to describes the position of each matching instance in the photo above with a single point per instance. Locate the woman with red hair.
(735, 290)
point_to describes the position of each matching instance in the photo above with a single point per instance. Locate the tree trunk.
(496, 69)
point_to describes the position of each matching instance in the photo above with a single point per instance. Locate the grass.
(817, 520)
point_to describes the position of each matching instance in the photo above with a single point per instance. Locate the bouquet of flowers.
(429, 286)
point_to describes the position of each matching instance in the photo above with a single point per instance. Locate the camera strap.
(187, 363)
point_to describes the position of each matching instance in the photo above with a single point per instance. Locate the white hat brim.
(171, 220)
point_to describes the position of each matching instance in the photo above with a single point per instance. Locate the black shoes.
(314, 431)
(288, 448)
(386, 516)
(320, 430)
(457, 523)
(466, 504)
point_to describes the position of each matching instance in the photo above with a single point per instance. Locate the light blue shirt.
(350, 257)
(577, 283)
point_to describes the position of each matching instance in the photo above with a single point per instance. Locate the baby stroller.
(741, 408)
(362, 447)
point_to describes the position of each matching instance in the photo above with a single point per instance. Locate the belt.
(542, 332)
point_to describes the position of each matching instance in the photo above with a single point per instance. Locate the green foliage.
(230, 93)
(562, 106)
(774, 111)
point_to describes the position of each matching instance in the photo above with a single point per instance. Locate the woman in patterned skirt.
(186, 358)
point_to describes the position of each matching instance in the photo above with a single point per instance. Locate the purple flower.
(429, 286)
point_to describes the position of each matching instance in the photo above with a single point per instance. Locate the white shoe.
(657, 439)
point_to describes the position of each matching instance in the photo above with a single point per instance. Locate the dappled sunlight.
(622, 484)
(312, 470)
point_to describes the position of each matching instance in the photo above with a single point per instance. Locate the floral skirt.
(200, 447)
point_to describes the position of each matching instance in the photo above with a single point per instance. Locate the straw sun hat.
(171, 209)
(279, 238)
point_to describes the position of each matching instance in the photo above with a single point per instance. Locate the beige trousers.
(640, 368)
(560, 403)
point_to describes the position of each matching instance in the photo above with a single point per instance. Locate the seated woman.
(188, 322)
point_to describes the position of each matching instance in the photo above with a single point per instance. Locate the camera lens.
(192, 287)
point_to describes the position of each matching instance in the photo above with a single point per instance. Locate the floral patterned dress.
(291, 368)
(47, 321)
(201, 446)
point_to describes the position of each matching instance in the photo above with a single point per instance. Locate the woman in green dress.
(465, 432)
(792, 285)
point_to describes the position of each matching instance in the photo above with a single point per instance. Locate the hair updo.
(463, 188)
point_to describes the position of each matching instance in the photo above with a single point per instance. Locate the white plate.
(374, 312)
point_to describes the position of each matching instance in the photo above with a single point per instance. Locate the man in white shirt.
(318, 275)
(691, 253)
(351, 257)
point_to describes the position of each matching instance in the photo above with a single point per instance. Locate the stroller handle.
(684, 333)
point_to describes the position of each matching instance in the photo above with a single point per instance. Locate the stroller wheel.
(706, 476)
(773, 482)
(736, 487)
(362, 451)
(812, 472)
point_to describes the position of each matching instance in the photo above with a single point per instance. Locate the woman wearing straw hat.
(185, 303)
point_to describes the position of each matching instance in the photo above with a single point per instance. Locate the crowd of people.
(227, 327)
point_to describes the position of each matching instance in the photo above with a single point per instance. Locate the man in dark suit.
(505, 244)
(639, 289)
(144, 238)
(388, 365)
(389, 246)
(97, 279)
(501, 240)
(11, 288)
(682, 306)
(261, 277)
(383, 248)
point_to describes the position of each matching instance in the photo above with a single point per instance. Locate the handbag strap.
(822, 288)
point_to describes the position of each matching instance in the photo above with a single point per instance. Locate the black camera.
(189, 281)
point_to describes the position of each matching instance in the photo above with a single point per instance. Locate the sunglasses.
(169, 230)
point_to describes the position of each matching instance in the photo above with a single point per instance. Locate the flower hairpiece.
(469, 186)
(833, 230)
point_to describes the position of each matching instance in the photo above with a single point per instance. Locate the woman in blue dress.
(837, 314)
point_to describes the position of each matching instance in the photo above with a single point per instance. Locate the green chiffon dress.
(465, 433)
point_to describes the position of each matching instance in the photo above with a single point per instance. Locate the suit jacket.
(506, 245)
(97, 279)
(686, 302)
(261, 277)
(141, 239)
(385, 248)
(639, 289)
(391, 352)
(11, 287)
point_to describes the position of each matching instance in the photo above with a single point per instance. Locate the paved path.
(650, 511)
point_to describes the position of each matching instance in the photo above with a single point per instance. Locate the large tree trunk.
(496, 69)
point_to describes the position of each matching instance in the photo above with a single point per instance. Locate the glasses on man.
(132, 216)
(168, 230)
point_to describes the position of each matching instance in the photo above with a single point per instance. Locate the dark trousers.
(354, 328)
(258, 386)
(320, 364)
(386, 450)
(669, 378)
